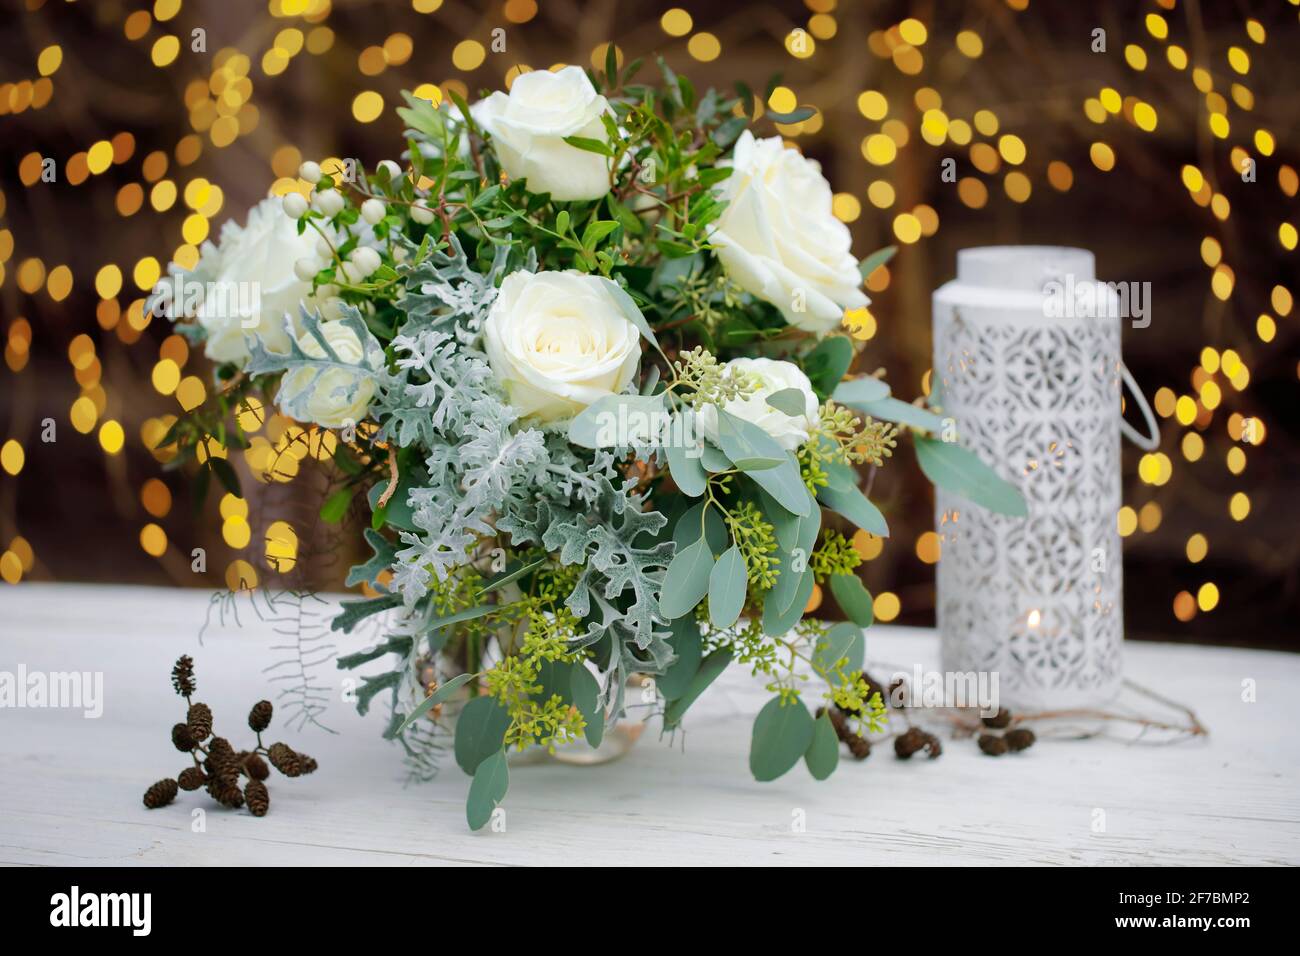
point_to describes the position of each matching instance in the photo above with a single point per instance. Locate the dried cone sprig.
(232, 778)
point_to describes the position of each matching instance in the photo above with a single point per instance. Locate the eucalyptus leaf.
(853, 598)
(727, 585)
(782, 733)
(584, 691)
(851, 503)
(713, 459)
(687, 645)
(892, 410)
(708, 672)
(844, 640)
(960, 471)
(480, 731)
(688, 528)
(491, 781)
(748, 446)
(874, 261)
(826, 364)
(858, 390)
(823, 753)
(684, 463)
(614, 420)
(776, 621)
(788, 400)
(444, 691)
(686, 580)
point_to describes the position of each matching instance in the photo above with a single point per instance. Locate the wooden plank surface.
(70, 787)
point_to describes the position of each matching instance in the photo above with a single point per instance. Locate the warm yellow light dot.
(879, 149)
(1144, 115)
(1211, 253)
(421, 6)
(154, 540)
(872, 105)
(881, 194)
(194, 229)
(166, 376)
(1012, 148)
(236, 532)
(1207, 597)
(165, 50)
(281, 546)
(367, 105)
(108, 281)
(846, 207)
(986, 122)
(1017, 186)
(51, 58)
(1155, 468)
(970, 44)
(1149, 517)
(1157, 26)
(1126, 521)
(1197, 548)
(1211, 395)
(1236, 460)
(907, 227)
(814, 599)
(861, 323)
(1239, 506)
(913, 31)
(1265, 328)
(1184, 606)
(783, 100)
(1286, 234)
(59, 283)
(1219, 125)
(191, 392)
(12, 457)
(1102, 156)
(1135, 56)
(867, 544)
(704, 47)
(799, 44)
(1192, 179)
(676, 22)
(1164, 401)
(1177, 57)
(111, 436)
(1193, 446)
(1281, 299)
(83, 415)
(1110, 99)
(1239, 59)
(928, 547)
(886, 606)
(146, 273)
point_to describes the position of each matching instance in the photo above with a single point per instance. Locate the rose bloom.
(252, 268)
(557, 341)
(779, 240)
(336, 397)
(528, 127)
(790, 431)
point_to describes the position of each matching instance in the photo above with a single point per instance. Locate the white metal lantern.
(1036, 394)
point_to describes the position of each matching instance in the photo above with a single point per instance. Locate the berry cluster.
(1012, 741)
(218, 767)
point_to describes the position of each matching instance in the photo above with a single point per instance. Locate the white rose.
(335, 397)
(557, 341)
(528, 127)
(779, 240)
(254, 285)
(771, 376)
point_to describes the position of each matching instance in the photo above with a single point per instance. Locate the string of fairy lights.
(160, 180)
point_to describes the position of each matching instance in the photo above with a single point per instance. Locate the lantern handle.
(1151, 440)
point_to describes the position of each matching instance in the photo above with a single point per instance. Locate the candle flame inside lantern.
(1034, 617)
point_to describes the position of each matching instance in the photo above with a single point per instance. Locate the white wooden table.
(70, 787)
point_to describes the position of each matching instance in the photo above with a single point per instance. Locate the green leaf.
(589, 145)
(480, 730)
(727, 585)
(713, 459)
(686, 580)
(781, 615)
(612, 420)
(844, 640)
(509, 576)
(826, 364)
(796, 115)
(748, 446)
(844, 497)
(226, 475)
(562, 221)
(960, 471)
(893, 410)
(685, 464)
(853, 598)
(597, 231)
(385, 552)
(782, 733)
(874, 261)
(823, 753)
(354, 612)
(858, 390)
(783, 522)
(491, 781)
(437, 697)
(710, 668)
(632, 312)
(687, 646)
(788, 400)
(688, 528)
(584, 691)
(337, 505)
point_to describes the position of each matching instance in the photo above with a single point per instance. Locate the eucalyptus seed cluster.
(232, 778)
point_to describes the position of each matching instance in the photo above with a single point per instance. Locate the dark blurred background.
(164, 119)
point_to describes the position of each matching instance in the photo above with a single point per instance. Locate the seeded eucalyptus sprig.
(218, 767)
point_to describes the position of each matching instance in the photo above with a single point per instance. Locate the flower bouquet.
(584, 357)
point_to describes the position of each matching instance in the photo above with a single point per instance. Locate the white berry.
(328, 201)
(421, 212)
(373, 211)
(366, 259)
(309, 171)
(306, 268)
(390, 169)
(295, 205)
